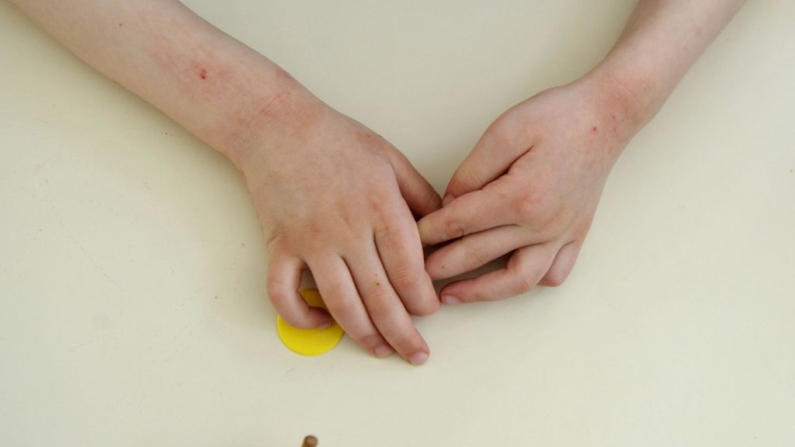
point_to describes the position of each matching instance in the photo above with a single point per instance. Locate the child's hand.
(337, 199)
(531, 185)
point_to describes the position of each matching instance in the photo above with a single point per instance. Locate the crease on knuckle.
(378, 305)
(474, 258)
(529, 205)
(468, 178)
(276, 244)
(453, 229)
(337, 301)
(479, 295)
(369, 341)
(405, 277)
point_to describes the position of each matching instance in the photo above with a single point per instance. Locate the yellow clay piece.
(309, 341)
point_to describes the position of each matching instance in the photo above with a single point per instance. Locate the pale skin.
(530, 187)
(532, 183)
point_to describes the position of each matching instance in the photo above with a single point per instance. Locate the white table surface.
(132, 295)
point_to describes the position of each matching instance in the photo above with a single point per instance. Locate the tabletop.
(132, 294)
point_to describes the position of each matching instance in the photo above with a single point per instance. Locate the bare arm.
(660, 42)
(158, 49)
(306, 165)
(531, 185)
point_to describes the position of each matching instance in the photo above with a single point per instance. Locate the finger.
(417, 192)
(336, 286)
(470, 213)
(401, 253)
(562, 265)
(524, 270)
(493, 154)
(385, 308)
(475, 250)
(284, 279)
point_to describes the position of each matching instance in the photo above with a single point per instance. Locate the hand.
(530, 186)
(337, 199)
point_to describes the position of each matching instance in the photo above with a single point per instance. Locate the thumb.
(420, 196)
(492, 156)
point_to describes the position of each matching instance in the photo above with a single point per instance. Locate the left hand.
(530, 186)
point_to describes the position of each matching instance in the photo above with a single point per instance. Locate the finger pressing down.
(339, 293)
(385, 307)
(284, 279)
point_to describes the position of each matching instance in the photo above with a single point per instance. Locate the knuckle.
(484, 295)
(337, 301)
(479, 295)
(368, 340)
(453, 229)
(277, 244)
(499, 134)
(277, 294)
(528, 205)
(474, 258)
(406, 277)
(378, 302)
(467, 178)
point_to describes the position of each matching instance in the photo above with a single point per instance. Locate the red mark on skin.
(594, 129)
(203, 73)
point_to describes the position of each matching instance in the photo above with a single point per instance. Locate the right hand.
(336, 198)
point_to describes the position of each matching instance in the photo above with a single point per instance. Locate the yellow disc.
(309, 341)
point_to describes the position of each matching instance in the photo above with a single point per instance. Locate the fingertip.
(450, 300)
(457, 292)
(418, 358)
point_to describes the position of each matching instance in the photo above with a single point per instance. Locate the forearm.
(213, 85)
(662, 39)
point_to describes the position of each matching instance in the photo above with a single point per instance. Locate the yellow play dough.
(309, 341)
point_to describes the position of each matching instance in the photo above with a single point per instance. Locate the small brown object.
(309, 441)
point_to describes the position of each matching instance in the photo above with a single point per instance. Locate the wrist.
(626, 91)
(262, 120)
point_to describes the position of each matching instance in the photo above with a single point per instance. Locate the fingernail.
(418, 358)
(383, 351)
(450, 299)
(325, 324)
(447, 199)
